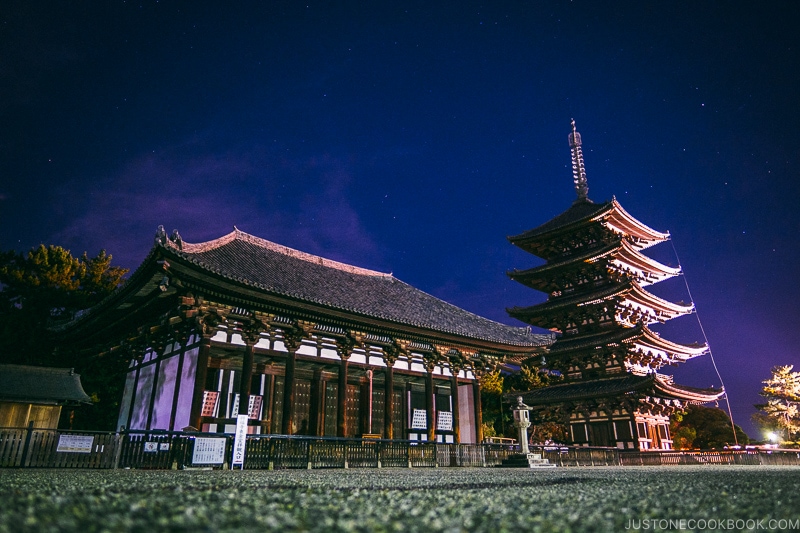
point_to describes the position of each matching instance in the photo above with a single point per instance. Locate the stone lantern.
(522, 421)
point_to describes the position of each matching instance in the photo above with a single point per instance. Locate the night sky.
(413, 139)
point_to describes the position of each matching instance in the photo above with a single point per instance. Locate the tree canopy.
(781, 413)
(49, 284)
(44, 285)
(704, 428)
(497, 417)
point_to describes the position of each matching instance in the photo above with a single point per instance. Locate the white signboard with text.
(75, 443)
(419, 419)
(253, 406)
(209, 451)
(445, 422)
(239, 441)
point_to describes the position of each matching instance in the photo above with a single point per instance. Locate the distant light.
(772, 436)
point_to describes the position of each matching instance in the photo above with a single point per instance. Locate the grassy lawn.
(445, 499)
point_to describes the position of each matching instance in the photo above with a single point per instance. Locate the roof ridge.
(240, 235)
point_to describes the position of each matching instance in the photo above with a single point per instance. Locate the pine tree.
(782, 410)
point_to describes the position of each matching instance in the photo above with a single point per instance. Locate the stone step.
(530, 460)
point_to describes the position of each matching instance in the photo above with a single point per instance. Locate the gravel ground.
(444, 499)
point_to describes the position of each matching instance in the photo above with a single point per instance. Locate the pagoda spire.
(578, 168)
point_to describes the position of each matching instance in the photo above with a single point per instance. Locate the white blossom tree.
(782, 410)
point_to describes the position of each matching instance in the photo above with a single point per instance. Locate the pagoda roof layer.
(652, 341)
(630, 293)
(583, 212)
(258, 270)
(644, 269)
(656, 384)
(36, 384)
(641, 335)
(621, 255)
(539, 277)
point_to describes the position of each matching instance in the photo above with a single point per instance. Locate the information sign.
(253, 406)
(209, 403)
(209, 451)
(445, 422)
(419, 420)
(75, 443)
(239, 441)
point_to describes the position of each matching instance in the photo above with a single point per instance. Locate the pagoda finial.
(578, 169)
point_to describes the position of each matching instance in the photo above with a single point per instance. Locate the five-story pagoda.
(595, 275)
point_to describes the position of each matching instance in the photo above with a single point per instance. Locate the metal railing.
(711, 457)
(580, 455)
(49, 448)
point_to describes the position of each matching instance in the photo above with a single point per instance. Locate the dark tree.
(45, 286)
(705, 428)
(497, 417)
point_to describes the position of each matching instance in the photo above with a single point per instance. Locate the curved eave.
(580, 213)
(658, 306)
(249, 291)
(656, 385)
(456, 322)
(584, 390)
(620, 221)
(565, 302)
(650, 340)
(665, 386)
(41, 385)
(595, 340)
(646, 270)
(629, 295)
(538, 277)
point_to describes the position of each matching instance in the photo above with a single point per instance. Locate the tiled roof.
(552, 305)
(615, 335)
(580, 210)
(545, 272)
(34, 384)
(657, 384)
(581, 390)
(276, 269)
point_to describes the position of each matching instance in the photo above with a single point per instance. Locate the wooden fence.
(47, 448)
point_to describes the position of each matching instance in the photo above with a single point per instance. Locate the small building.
(595, 276)
(299, 343)
(37, 394)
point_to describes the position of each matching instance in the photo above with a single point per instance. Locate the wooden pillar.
(366, 403)
(266, 422)
(344, 347)
(341, 413)
(388, 404)
(246, 378)
(316, 405)
(391, 354)
(454, 399)
(200, 381)
(430, 406)
(287, 422)
(292, 338)
(476, 400)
